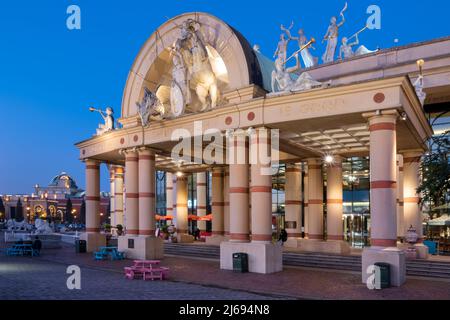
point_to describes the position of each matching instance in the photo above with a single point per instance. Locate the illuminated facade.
(350, 143)
(51, 202)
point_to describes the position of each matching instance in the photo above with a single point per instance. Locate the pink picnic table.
(146, 269)
(145, 263)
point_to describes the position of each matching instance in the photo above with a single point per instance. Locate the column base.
(215, 240)
(94, 240)
(393, 256)
(184, 238)
(292, 243)
(421, 251)
(142, 247)
(263, 258)
(319, 246)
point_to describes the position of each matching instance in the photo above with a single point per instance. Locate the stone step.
(429, 269)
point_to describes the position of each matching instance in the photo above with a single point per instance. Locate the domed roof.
(63, 180)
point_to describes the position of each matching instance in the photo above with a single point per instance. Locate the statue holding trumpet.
(346, 49)
(281, 76)
(332, 36)
(308, 59)
(108, 117)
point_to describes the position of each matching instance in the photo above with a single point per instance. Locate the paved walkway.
(25, 278)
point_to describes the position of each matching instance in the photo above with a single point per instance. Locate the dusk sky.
(49, 75)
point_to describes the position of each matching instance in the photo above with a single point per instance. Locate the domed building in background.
(61, 186)
(60, 201)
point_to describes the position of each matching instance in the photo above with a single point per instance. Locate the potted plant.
(107, 227)
(165, 232)
(119, 228)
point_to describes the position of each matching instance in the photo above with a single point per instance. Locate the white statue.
(419, 85)
(150, 108)
(108, 117)
(346, 50)
(283, 82)
(42, 227)
(13, 225)
(180, 73)
(200, 75)
(332, 37)
(282, 46)
(308, 59)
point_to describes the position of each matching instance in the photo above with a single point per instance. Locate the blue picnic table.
(105, 252)
(22, 250)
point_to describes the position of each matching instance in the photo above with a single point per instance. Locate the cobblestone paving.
(31, 278)
(190, 279)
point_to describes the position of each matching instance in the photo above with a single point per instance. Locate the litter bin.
(240, 262)
(80, 246)
(385, 274)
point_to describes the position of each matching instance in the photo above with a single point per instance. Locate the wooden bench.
(147, 273)
(133, 273)
(22, 250)
(152, 274)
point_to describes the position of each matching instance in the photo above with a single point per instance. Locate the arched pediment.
(152, 66)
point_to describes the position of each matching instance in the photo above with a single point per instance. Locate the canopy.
(163, 218)
(441, 221)
(206, 218)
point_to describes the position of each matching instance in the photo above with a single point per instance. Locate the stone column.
(226, 203)
(139, 241)
(264, 256)
(182, 209)
(412, 211)
(169, 193)
(147, 187)
(174, 199)
(217, 201)
(306, 200)
(383, 159)
(335, 208)
(400, 203)
(118, 195)
(239, 190)
(201, 199)
(112, 192)
(315, 199)
(92, 236)
(261, 187)
(132, 193)
(293, 203)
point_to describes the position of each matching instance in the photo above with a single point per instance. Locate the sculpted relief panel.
(184, 68)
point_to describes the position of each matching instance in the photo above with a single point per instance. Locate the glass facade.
(356, 193)
(278, 198)
(356, 180)
(161, 193)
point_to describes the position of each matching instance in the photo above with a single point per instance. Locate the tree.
(2, 209)
(19, 211)
(83, 212)
(435, 168)
(68, 217)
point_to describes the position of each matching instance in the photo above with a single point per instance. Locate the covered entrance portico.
(309, 131)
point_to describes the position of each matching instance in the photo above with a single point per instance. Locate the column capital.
(314, 162)
(408, 154)
(91, 162)
(146, 150)
(217, 170)
(293, 167)
(125, 152)
(381, 114)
